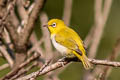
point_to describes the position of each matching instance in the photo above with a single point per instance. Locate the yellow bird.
(67, 41)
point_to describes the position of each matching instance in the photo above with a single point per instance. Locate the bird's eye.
(54, 25)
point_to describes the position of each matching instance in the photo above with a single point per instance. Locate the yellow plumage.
(67, 41)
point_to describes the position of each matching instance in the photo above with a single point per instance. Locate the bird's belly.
(58, 46)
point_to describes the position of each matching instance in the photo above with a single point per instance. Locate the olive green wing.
(67, 42)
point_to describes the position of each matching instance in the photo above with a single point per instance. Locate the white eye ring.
(54, 25)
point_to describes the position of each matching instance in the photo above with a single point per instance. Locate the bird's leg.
(69, 58)
(63, 59)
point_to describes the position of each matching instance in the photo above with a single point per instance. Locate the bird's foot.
(62, 59)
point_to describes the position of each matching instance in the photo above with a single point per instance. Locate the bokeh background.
(82, 19)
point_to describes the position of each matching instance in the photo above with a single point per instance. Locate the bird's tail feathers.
(84, 60)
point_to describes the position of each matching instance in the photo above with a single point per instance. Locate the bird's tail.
(84, 60)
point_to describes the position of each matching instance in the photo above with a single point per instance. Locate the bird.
(67, 41)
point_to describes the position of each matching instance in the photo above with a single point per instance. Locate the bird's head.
(55, 25)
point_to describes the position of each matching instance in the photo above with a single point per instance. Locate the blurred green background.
(82, 19)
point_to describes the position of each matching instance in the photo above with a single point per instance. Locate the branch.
(42, 68)
(20, 40)
(23, 71)
(67, 11)
(31, 21)
(9, 75)
(60, 64)
(88, 39)
(4, 22)
(107, 70)
(98, 28)
(105, 62)
(36, 45)
(23, 15)
(46, 36)
(9, 8)
(103, 70)
(100, 21)
(4, 66)
(6, 55)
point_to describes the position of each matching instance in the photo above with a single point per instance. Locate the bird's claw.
(62, 59)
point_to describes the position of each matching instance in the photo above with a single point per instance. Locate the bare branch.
(89, 37)
(25, 14)
(13, 18)
(21, 10)
(100, 20)
(9, 9)
(99, 28)
(0, 54)
(36, 45)
(31, 21)
(106, 9)
(23, 71)
(31, 8)
(10, 6)
(20, 40)
(9, 75)
(60, 64)
(107, 70)
(99, 24)
(105, 62)
(67, 11)
(41, 69)
(46, 36)
(6, 55)
(46, 70)
(4, 66)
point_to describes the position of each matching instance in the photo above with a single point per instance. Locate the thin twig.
(36, 44)
(4, 66)
(100, 21)
(10, 6)
(89, 37)
(96, 34)
(23, 71)
(21, 10)
(106, 70)
(67, 11)
(99, 24)
(44, 71)
(7, 39)
(0, 54)
(20, 40)
(98, 28)
(6, 55)
(31, 21)
(60, 64)
(46, 36)
(42, 68)
(9, 75)
(25, 18)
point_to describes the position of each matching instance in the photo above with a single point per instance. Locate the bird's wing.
(67, 42)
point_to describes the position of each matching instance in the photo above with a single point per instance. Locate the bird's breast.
(58, 46)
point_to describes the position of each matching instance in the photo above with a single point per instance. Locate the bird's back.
(70, 33)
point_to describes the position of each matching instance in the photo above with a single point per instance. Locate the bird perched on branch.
(67, 41)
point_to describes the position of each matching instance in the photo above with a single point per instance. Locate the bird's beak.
(45, 25)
